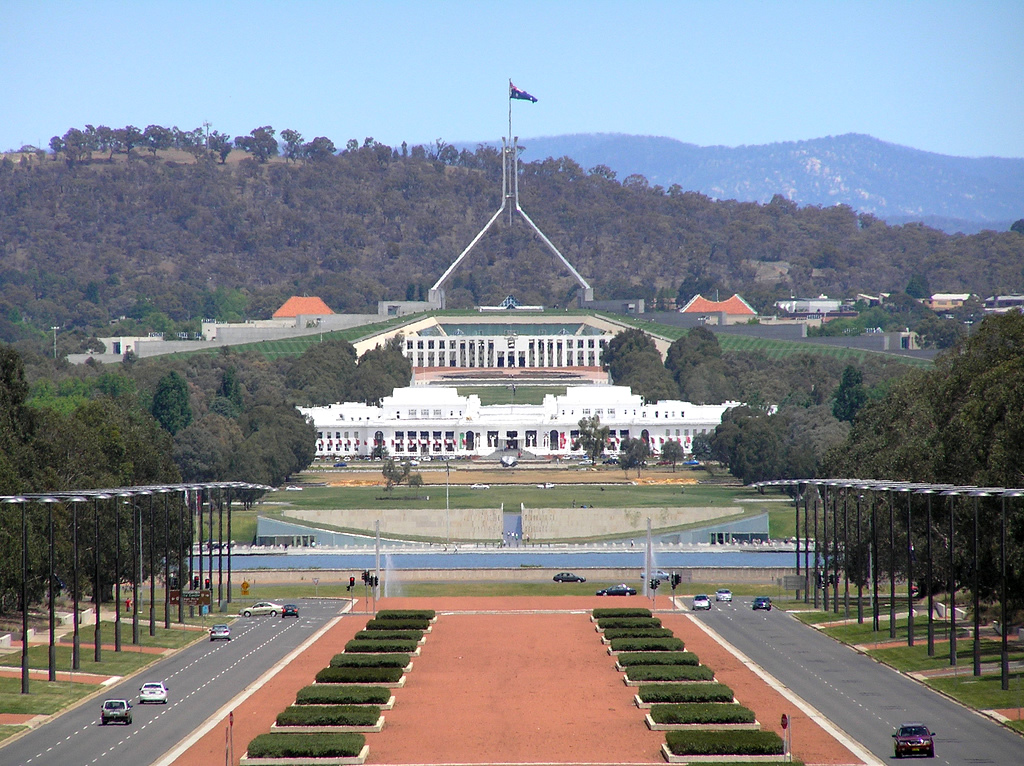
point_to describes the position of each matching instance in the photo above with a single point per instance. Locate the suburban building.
(732, 310)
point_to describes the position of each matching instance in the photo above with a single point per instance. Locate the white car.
(262, 607)
(220, 633)
(479, 486)
(701, 602)
(723, 594)
(153, 691)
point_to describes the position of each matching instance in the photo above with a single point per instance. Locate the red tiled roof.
(296, 306)
(734, 305)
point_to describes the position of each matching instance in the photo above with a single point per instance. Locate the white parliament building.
(436, 421)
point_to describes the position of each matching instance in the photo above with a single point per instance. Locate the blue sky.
(941, 76)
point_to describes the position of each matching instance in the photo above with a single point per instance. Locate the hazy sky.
(946, 77)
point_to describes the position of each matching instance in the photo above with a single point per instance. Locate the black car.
(913, 739)
(763, 602)
(290, 610)
(568, 577)
(617, 590)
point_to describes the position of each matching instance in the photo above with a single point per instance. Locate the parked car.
(913, 739)
(617, 590)
(293, 488)
(115, 711)
(289, 610)
(153, 691)
(701, 601)
(341, 465)
(610, 461)
(763, 602)
(723, 594)
(568, 577)
(586, 461)
(220, 633)
(479, 486)
(262, 607)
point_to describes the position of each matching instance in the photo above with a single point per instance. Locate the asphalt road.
(201, 679)
(865, 699)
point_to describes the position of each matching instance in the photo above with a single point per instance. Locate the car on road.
(115, 711)
(586, 461)
(723, 594)
(546, 485)
(262, 607)
(153, 691)
(762, 602)
(479, 486)
(913, 739)
(220, 633)
(289, 610)
(660, 574)
(341, 465)
(617, 590)
(701, 601)
(568, 577)
(610, 461)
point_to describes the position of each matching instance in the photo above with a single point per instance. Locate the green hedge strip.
(342, 694)
(359, 675)
(724, 743)
(408, 647)
(647, 645)
(397, 625)
(349, 660)
(406, 614)
(600, 614)
(702, 713)
(628, 622)
(388, 635)
(328, 715)
(285, 745)
(669, 673)
(710, 692)
(612, 633)
(657, 658)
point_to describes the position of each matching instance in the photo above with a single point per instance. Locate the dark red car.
(289, 610)
(913, 739)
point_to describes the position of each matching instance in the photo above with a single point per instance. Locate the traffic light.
(366, 576)
(351, 583)
(676, 579)
(654, 583)
(207, 586)
(195, 583)
(374, 580)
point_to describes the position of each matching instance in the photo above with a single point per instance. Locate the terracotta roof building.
(734, 306)
(302, 306)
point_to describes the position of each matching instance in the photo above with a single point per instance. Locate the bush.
(342, 694)
(612, 633)
(669, 673)
(385, 635)
(600, 614)
(328, 715)
(724, 743)
(397, 625)
(658, 658)
(284, 745)
(359, 676)
(702, 713)
(711, 692)
(406, 614)
(647, 645)
(408, 647)
(369, 660)
(628, 622)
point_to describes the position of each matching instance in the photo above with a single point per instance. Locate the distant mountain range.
(894, 183)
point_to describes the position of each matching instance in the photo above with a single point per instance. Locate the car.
(701, 601)
(617, 590)
(586, 461)
(479, 486)
(262, 607)
(723, 594)
(413, 463)
(660, 574)
(913, 739)
(568, 577)
(220, 633)
(115, 711)
(290, 610)
(153, 691)
(341, 465)
(610, 461)
(762, 602)
(293, 488)
(691, 462)
(546, 485)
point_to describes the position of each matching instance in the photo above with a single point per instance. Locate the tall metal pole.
(49, 592)
(97, 594)
(892, 566)
(136, 568)
(199, 515)
(1004, 657)
(220, 549)
(930, 580)
(152, 569)
(807, 540)
(167, 561)
(846, 555)
(75, 646)
(977, 597)
(117, 575)
(860, 566)
(796, 510)
(817, 558)
(24, 597)
(230, 542)
(910, 577)
(952, 587)
(874, 567)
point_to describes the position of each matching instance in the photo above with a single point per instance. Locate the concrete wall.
(567, 523)
(474, 524)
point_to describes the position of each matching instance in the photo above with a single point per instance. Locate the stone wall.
(569, 523)
(475, 524)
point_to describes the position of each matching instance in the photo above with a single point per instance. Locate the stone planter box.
(755, 726)
(327, 729)
(359, 759)
(384, 685)
(670, 758)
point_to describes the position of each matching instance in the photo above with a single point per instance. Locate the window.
(399, 435)
(611, 412)
(424, 413)
(412, 413)
(437, 413)
(586, 410)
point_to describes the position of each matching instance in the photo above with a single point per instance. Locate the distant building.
(1001, 304)
(302, 306)
(942, 302)
(733, 310)
(811, 308)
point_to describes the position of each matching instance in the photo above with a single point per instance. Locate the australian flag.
(522, 95)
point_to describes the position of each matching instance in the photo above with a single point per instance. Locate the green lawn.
(43, 698)
(984, 693)
(7, 730)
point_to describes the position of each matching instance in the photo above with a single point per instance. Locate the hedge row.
(600, 614)
(329, 715)
(388, 635)
(340, 694)
(724, 743)
(331, 675)
(285, 745)
(669, 673)
(613, 633)
(658, 658)
(369, 660)
(406, 614)
(395, 624)
(388, 647)
(710, 692)
(647, 645)
(702, 713)
(628, 622)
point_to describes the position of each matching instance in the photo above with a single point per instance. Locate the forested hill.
(895, 183)
(164, 238)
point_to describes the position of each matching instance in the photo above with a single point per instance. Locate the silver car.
(262, 607)
(154, 691)
(220, 633)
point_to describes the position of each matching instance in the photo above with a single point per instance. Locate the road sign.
(196, 597)
(794, 582)
(785, 721)
(245, 587)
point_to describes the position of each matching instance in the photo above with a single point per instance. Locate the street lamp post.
(1004, 656)
(817, 557)
(950, 494)
(976, 585)
(75, 646)
(24, 589)
(929, 581)
(860, 565)
(846, 555)
(892, 566)
(52, 676)
(152, 568)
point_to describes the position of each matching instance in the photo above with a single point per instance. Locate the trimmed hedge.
(391, 647)
(628, 622)
(285, 745)
(341, 694)
(724, 743)
(658, 658)
(328, 715)
(702, 713)
(397, 624)
(625, 611)
(359, 676)
(669, 673)
(406, 614)
(612, 633)
(710, 692)
(388, 635)
(369, 660)
(647, 645)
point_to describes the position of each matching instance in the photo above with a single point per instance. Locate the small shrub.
(408, 647)
(397, 625)
(600, 614)
(628, 622)
(669, 673)
(406, 614)
(647, 645)
(710, 692)
(328, 715)
(658, 658)
(724, 743)
(369, 660)
(285, 745)
(702, 713)
(388, 635)
(342, 694)
(359, 676)
(612, 633)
